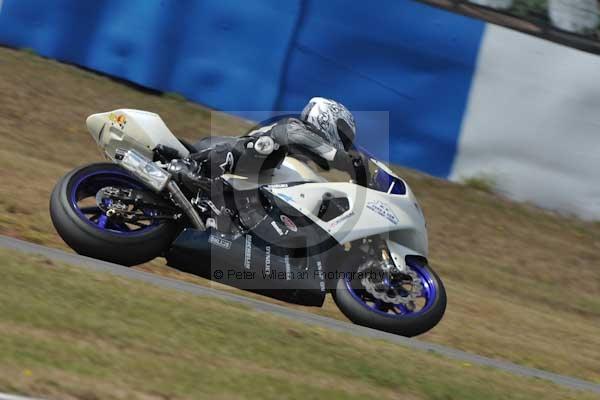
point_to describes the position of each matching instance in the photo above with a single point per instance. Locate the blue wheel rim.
(428, 294)
(87, 185)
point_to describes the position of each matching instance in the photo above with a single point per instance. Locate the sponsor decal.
(288, 268)
(277, 228)
(268, 260)
(248, 252)
(120, 120)
(227, 166)
(321, 276)
(288, 223)
(278, 186)
(380, 208)
(217, 241)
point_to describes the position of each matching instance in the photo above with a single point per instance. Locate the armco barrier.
(420, 63)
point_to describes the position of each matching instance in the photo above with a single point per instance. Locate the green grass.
(174, 96)
(484, 183)
(71, 333)
(530, 8)
(523, 283)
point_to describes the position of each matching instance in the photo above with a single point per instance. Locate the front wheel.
(88, 230)
(365, 306)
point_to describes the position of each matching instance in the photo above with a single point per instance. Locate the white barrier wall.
(533, 122)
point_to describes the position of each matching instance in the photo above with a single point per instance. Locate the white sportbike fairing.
(371, 212)
(286, 231)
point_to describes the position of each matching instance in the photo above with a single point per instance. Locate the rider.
(324, 133)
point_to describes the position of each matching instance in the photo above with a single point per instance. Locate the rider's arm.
(301, 139)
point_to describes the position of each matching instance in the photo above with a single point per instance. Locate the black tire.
(91, 241)
(406, 326)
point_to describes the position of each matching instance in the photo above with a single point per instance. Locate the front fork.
(390, 255)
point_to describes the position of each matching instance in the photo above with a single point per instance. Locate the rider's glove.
(342, 161)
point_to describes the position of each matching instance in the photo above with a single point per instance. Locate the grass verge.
(84, 335)
(523, 284)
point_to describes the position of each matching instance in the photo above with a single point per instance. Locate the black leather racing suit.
(237, 155)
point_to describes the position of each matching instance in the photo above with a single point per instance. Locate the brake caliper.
(388, 285)
(114, 201)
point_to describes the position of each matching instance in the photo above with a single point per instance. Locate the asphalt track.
(4, 396)
(296, 315)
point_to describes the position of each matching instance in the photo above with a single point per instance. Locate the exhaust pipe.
(187, 207)
(157, 179)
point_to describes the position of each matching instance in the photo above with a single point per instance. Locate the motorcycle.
(286, 232)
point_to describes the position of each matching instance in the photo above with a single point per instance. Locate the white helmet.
(332, 119)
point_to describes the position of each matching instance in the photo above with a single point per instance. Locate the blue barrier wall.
(412, 60)
(400, 56)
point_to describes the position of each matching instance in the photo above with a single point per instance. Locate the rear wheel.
(368, 307)
(87, 228)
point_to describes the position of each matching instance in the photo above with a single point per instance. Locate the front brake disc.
(385, 289)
